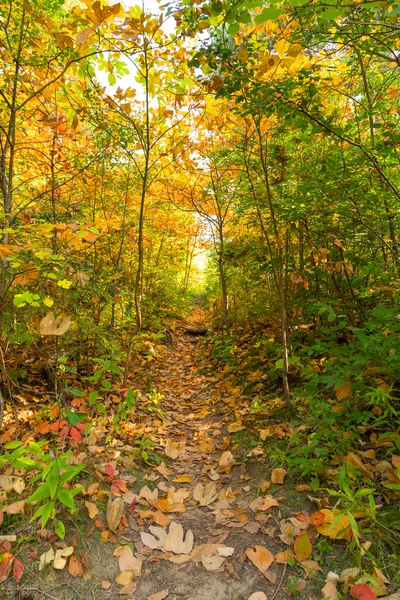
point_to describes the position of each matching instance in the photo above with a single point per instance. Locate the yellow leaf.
(342, 391)
(336, 525)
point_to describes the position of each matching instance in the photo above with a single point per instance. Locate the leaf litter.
(185, 525)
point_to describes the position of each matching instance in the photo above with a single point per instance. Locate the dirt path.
(196, 419)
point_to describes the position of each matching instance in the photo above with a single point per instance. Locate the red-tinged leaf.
(80, 426)
(121, 485)
(5, 566)
(302, 546)
(5, 547)
(110, 471)
(362, 592)
(317, 518)
(18, 569)
(64, 433)
(75, 567)
(301, 516)
(74, 433)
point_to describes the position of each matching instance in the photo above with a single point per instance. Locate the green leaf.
(269, 14)
(331, 14)
(12, 445)
(42, 492)
(101, 408)
(93, 397)
(302, 546)
(279, 364)
(77, 393)
(60, 529)
(75, 418)
(244, 17)
(66, 498)
(44, 512)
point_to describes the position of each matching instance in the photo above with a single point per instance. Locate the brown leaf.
(174, 541)
(258, 596)
(278, 475)
(284, 557)
(92, 509)
(226, 462)
(106, 584)
(261, 557)
(147, 494)
(17, 508)
(114, 513)
(50, 325)
(128, 562)
(205, 495)
(172, 449)
(159, 595)
(212, 563)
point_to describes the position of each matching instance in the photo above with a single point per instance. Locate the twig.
(279, 584)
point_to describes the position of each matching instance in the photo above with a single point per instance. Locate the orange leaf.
(261, 557)
(317, 518)
(302, 546)
(75, 567)
(342, 391)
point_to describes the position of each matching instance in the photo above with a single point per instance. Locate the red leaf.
(317, 518)
(110, 471)
(362, 592)
(81, 426)
(74, 433)
(18, 570)
(302, 546)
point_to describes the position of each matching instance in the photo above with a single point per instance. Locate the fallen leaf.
(159, 595)
(226, 462)
(261, 557)
(17, 508)
(128, 589)
(282, 558)
(60, 558)
(114, 513)
(46, 558)
(106, 584)
(128, 562)
(18, 569)
(205, 495)
(362, 592)
(92, 509)
(278, 475)
(302, 546)
(147, 494)
(310, 567)
(155, 539)
(181, 479)
(166, 506)
(258, 596)
(336, 525)
(75, 567)
(235, 427)
(5, 566)
(172, 449)
(124, 578)
(174, 541)
(317, 518)
(212, 563)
